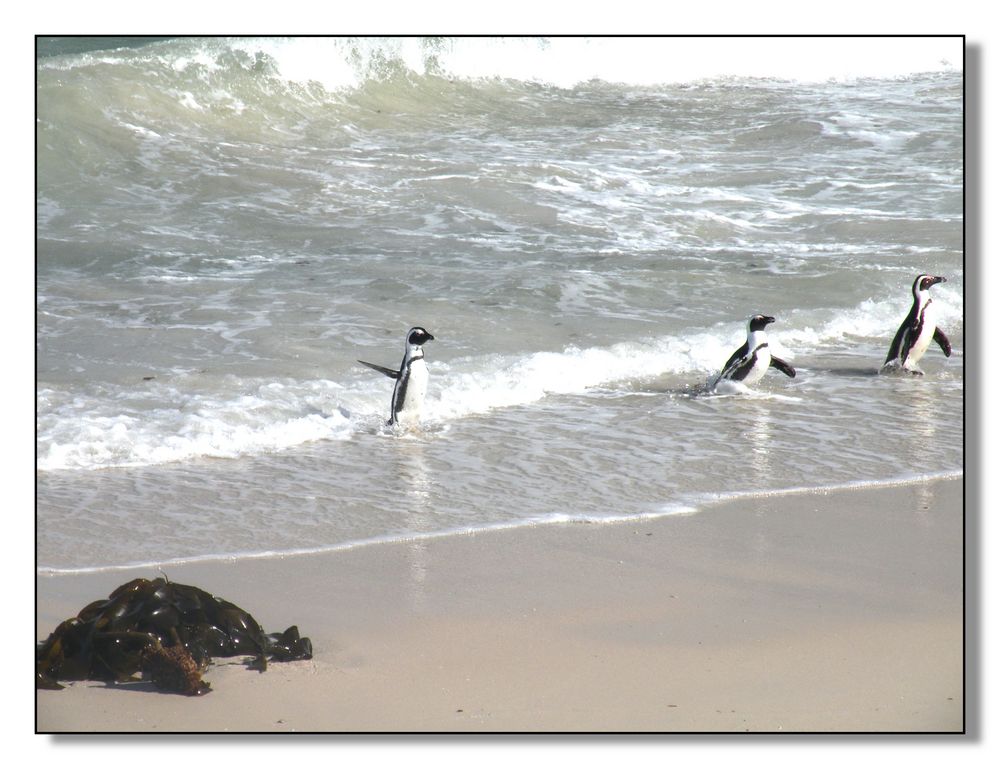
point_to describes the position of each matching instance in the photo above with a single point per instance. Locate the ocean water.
(224, 226)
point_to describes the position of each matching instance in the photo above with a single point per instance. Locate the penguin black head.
(417, 336)
(924, 282)
(758, 322)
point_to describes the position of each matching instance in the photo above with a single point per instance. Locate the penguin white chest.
(919, 345)
(762, 359)
(409, 407)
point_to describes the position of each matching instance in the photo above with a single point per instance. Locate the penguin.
(411, 379)
(751, 361)
(918, 329)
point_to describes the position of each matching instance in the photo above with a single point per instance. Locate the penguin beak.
(768, 319)
(430, 337)
(939, 279)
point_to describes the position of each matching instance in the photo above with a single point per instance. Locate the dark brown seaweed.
(164, 631)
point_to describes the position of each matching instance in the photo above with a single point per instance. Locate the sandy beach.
(812, 612)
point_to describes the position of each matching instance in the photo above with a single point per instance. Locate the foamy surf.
(276, 416)
(565, 62)
(225, 225)
(84, 433)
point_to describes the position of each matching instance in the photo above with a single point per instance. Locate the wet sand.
(813, 612)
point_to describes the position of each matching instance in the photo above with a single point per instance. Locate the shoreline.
(697, 504)
(833, 611)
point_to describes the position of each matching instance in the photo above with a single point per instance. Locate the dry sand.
(815, 612)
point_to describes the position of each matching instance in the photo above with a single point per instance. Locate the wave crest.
(346, 62)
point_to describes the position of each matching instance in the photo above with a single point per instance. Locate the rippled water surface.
(226, 226)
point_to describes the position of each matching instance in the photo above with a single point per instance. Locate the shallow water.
(225, 227)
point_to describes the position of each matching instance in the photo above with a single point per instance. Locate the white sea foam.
(94, 433)
(480, 385)
(272, 416)
(873, 318)
(84, 432)
(567, 62)
(586, 259)
(701, 501)
(338, 63)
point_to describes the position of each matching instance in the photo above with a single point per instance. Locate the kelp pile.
(164, 631)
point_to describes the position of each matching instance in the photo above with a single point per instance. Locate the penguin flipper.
(738, 355)
(389, 372)
(943, 342)
(782, 366)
